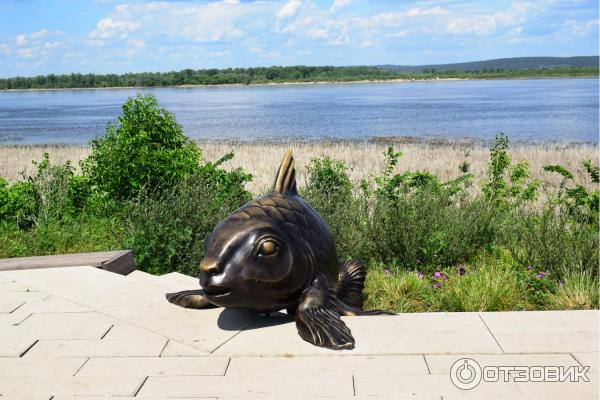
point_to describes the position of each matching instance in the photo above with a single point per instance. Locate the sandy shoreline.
(310, 83)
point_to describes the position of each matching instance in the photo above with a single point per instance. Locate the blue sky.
(105, 36)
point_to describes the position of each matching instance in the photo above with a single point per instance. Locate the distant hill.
(514, 63)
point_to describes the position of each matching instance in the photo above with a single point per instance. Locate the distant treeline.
(268, 75)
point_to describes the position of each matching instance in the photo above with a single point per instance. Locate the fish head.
(253, 263)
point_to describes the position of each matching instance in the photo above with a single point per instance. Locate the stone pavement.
(91, 333)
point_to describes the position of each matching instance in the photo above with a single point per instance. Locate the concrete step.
(178, 277)
(171, 283)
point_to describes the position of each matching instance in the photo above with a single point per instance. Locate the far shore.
(366, 81)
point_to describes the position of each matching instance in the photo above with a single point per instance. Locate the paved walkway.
(88, 332)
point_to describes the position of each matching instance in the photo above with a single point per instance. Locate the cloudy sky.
(62, 36)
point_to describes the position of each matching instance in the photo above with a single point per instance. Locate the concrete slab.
(96, 348)
(13, 345)
(441, 363)
(90, 325)
(15, 287)
(155, 366)
(450, 333)
(406, 386)
(72, 386)
(50, 306)
(35, 367)
(6, 307)
(545, 331)
(251, 387)
(67, 282)
(590, 359)
(145, 306)
(295, 366)
(169, 285)
(192, 282)
(174, 349)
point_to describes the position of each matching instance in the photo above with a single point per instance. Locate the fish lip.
(216, 290)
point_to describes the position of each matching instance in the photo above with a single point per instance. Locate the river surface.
(538, 110)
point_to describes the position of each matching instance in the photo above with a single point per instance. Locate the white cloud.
(289, 9)
(108, 27)
(339, 4)
(5, 49)
(21, 40)
(25, 52)
(136, 43)
(484, 24)
(580, 28)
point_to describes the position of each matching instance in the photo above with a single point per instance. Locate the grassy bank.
(440, 227)
(364, 159)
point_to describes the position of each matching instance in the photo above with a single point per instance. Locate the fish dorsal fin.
(285, 181)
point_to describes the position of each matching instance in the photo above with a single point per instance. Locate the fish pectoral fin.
(190, 299)
(346, 310)
(318, 321)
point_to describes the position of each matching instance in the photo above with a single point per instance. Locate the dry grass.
(364, 158)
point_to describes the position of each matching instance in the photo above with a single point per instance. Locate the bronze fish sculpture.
(275, 253)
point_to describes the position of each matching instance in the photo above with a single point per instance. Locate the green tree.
(146, 151)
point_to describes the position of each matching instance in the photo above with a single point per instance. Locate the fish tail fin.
(351, 283)
(285, 181)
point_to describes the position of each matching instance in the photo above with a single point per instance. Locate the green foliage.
(578, 291)
(508, 186)
(147, 150)
(573, 198)
(18, 203)
(85, 234)
(168, 229)
(329, 190)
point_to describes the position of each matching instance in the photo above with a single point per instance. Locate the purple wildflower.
(541, 274)
(529, 268)
(420, 275)
(436, 285)
(437, 274)
(387, 271)
(460, 270)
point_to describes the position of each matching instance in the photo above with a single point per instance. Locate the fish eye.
(267, 248)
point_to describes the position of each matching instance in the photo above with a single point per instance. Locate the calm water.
(526, 110)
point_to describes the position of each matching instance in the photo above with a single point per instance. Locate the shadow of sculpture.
(232, 319)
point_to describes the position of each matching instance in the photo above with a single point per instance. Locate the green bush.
(329, 191)
(146, 151)
(18, 204)
(168, 230)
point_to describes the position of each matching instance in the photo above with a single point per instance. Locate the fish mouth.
(216, 290)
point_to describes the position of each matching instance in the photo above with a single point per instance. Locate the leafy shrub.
(168, 230)
(146, 151)
(508, 185)
(329, 190)
(415, 219)
(18, 203)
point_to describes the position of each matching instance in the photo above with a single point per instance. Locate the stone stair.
(88, 332)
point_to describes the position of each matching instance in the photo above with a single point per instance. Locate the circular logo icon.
(465, 373)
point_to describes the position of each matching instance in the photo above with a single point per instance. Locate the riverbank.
(441, 158)
(304, 83)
